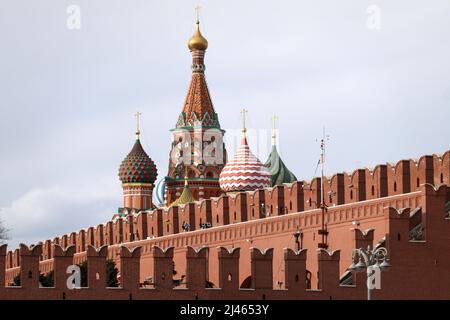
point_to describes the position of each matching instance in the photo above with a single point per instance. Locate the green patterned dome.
(280, 173)
(137, 167)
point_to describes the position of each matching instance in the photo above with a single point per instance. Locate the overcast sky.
(381, 87)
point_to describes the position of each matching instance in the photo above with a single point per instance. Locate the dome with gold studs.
(197, 41)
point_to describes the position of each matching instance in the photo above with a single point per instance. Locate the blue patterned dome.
(159, 193)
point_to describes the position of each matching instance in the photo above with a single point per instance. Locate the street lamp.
(373, 261)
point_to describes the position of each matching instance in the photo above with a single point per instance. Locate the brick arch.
(247, 283)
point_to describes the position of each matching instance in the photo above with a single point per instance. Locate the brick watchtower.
(197, 139)
(138, 173)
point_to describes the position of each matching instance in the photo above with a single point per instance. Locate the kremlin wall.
(403, 198)
(247, 229)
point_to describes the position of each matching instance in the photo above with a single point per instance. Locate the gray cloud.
(68, 97)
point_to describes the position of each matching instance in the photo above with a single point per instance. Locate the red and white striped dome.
(244, 172)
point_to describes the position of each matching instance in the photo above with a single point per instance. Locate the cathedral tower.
(138, 173)
(197, 139)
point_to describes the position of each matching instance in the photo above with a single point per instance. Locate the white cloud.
(68, 97)
(44, 213)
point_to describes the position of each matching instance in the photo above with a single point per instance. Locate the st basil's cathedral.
(199, 167)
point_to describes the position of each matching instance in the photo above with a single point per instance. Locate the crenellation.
(261, 268)
(425, 169)
(197, 267)
(47, 250)
(337, 189)
(380, 181)
(81, 241)
(228, 268)
(96, 260)
(240, 211)
(62, 259)
(295, 269)
(130, 267)
(108, 233)
(444, 176)
(3, 265)
(29, 265)
(64, 241)
(328, 269)
(117, 231)
(205, 214)
(141, 226)
(435, 225)
(90, 237)
(278, 202)
(163, 267)
(222, 210)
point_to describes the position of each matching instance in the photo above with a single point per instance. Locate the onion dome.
(137, 167)
(197, 41)
(278, 170)
(159, 194)
(186, 195)
(244, 172)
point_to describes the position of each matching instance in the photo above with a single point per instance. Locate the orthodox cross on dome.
(244, 115)
(197, 11)
(274, 129)
(138, 119)
(186, 177)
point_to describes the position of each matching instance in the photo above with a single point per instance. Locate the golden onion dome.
(197, 41)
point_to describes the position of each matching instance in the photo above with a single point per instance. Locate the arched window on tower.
(395, 186)
(442, 178)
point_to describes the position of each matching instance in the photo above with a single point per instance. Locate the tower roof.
(137, 167)
(278, 170)
(244, 172)
(198, 108)
(186, 195)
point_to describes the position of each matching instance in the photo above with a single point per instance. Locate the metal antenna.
(323, 231)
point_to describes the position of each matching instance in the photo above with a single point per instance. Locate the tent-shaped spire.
(278, 170)
(186, 195)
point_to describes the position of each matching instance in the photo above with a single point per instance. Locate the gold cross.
(274, 129)
(274, 119)
(244, 114)
(138, 119)
(197, 9)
